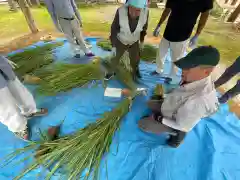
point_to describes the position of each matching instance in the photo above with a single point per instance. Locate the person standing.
(128, 31)
(67, 19)
(228, 74)
(185, 106)
(17, 104)
(182, 19)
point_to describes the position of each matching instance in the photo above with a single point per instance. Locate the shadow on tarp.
(210, 151)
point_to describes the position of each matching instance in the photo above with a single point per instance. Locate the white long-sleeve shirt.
(184, 107)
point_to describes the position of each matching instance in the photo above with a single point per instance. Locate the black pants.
(229, 73)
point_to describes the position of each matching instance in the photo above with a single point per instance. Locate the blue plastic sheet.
(211, 151)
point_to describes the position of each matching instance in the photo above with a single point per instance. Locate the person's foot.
(172, 142)
(223, 100)
(108, 76)
(24, 135)
(40, 112)
(138, 74)
(77, 56)
(90, 54)
(154, 73)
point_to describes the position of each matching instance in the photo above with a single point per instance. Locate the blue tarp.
(211, 151)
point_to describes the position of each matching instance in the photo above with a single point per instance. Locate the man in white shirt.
(194, 99)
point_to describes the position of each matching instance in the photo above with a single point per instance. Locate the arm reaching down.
(144, 31)
(51, 10)
(202, 22)
(115, 29)
(76, 11)
(207, 6)
(164, 16)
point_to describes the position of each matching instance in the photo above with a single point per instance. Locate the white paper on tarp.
(113, 92)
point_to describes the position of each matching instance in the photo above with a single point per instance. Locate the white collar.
(197, 84)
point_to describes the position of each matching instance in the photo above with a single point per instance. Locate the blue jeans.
(229, 73)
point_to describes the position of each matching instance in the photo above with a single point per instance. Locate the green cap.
(201, 56)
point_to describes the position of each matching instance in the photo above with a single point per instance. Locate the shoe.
(108, 76)
(24, 135)
(89, 54)
(172, 142)
(138, 74)
(223, 100)
(77, 56)
(154, 73)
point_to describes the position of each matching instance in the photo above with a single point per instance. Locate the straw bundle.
(123, 74)
(32, 59)
(82, 151)
(148, 52)
(64, 77)
(105, 44)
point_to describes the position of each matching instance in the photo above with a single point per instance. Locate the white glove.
(14, 65)
(114, 51)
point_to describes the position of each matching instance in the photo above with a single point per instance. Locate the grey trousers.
(72, 31)
(134, 55)
(229, 73)
(155, 106)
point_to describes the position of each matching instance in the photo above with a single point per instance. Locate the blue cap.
(137, 3)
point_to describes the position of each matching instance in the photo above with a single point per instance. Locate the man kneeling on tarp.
(16, 102)
(127, 34)
(194, 99)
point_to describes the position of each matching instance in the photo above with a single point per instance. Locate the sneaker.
(89, 54)
(138, 74)
(24, 135)
(108, 76)
(77, 56)
(154, 73)
(172, 142)
(223, 100)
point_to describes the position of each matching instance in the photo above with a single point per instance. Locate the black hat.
(201, 56)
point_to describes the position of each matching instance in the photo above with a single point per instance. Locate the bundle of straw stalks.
(105, 44)
(123, 73)
(63, 77)
(82, 151)
(32, 59)
(148, 52)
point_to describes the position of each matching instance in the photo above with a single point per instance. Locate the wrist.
(197, 34)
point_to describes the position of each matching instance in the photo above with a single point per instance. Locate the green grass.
(99, 19)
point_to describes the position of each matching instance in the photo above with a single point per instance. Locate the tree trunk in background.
(12, 5)
(36, 2)
(28, 16)
(29, 2)
(234, 14)
(234, 2)
(226, 1)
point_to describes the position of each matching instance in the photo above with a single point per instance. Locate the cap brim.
(183, 63)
